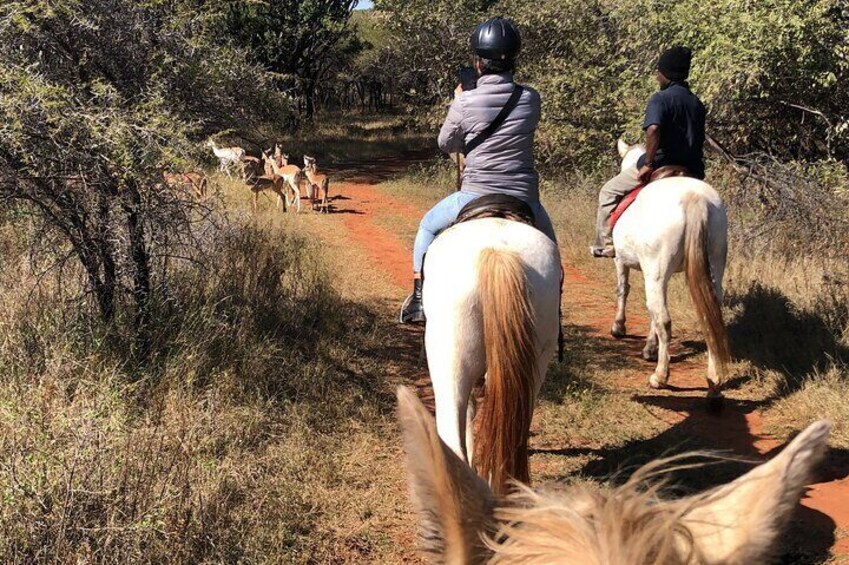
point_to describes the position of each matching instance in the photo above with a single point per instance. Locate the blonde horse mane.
(592, 525)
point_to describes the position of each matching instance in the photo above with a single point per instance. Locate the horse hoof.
(715, 403)
(650, 355)
(656, 383)
(618, 331)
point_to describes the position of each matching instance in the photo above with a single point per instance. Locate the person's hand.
(458, 90)
(645, 174)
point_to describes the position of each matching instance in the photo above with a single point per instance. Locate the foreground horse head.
(675, 224)
(462, 521)
(491, 296)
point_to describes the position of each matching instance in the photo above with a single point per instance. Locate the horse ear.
(454, 505)
(741, 521)
(622, 147)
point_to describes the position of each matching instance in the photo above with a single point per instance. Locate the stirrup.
(415, 317)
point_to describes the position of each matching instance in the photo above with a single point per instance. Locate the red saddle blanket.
(623, 205)
(664, 172)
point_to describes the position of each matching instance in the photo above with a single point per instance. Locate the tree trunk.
(141, 276)
(309, 99)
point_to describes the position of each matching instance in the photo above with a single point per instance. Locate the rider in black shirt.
(675, 135)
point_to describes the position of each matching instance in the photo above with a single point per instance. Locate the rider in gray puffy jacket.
(504, 163)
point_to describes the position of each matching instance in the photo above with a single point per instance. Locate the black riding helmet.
(497, 39)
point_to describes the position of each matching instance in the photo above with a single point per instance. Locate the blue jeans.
(446, 211)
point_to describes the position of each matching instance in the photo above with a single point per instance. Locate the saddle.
(665, 172)
(497, 206)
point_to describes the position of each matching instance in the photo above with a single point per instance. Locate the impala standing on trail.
(675, 135)
(499, 160)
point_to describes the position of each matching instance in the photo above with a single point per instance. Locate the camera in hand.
(468, 78)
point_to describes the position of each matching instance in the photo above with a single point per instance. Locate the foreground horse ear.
(622, 147)
(454, 504)
(741, 521)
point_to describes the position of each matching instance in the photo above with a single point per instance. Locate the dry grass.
(262, 432)
(821, 395)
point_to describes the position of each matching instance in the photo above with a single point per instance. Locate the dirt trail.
(824, 513)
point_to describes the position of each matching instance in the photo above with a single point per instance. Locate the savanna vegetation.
(181, 381)
(772, 75)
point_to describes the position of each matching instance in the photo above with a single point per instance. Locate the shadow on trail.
(380, 169)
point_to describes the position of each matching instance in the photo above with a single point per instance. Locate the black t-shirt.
(680, 115)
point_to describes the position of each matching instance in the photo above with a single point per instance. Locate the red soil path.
(740, 427)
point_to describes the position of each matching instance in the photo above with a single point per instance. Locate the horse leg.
(650, 350)
(456, 360)
(451, 394)
(656, 288)
(622, 289)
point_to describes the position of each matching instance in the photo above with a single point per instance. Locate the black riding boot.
(412, 311)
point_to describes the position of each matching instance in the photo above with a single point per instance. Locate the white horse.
(675, 224)
(491, 296)
(462, 521)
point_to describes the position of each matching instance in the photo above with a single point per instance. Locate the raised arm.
(451, 136)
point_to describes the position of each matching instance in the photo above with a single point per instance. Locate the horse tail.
(700, 281)
(508, 327)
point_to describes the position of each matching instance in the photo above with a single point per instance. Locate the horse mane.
(588, 524)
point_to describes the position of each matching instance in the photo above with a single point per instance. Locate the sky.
(364, 5)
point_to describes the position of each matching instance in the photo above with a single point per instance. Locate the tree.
(293, 38)
(97, 98)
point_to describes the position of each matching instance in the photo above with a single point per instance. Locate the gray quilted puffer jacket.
(504, 163)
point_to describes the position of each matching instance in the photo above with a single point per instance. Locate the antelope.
(227, 156)
(317, 180)
(193, 181)
(252, 169)
(258, 181)
(291, 175)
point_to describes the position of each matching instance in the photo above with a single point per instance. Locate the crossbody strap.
(496, 123)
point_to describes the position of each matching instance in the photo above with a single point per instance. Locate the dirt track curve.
(823, 517)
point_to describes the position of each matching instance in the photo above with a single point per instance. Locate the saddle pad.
(623, 205)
